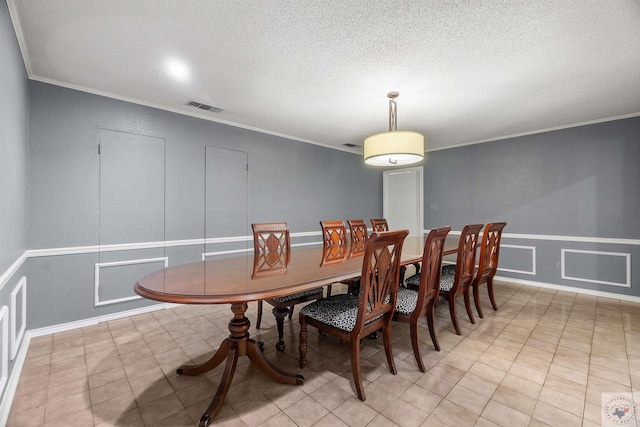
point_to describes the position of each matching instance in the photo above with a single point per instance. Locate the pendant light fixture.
(394, 148)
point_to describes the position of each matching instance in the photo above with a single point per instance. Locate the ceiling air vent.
(350, 145)
(205, 107)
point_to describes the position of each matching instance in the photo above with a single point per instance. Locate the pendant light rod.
(393, 111)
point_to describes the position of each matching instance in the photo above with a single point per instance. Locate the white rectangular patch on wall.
(18, 304)
(603, 268)
(4, 352)
(128, 283)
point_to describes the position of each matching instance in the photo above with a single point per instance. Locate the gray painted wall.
(13, 144)
(578, 185)
(287, 180)
(13, 174)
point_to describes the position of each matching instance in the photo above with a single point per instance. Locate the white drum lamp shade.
(394, 148)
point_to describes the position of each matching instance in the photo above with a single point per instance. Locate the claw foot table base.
(238, 344)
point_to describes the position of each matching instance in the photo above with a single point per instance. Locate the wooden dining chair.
(381, 224)
(457, 279)
(413, 304)
(488, 263)
(358, 231)
(270, 240)
(358, 235)
(353, 317)
(334, 235)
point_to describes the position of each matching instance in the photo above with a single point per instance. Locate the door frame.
(419, 190)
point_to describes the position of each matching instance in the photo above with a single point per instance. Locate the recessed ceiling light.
(178, 70)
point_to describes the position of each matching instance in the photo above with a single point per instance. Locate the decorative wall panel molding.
(98, 266)
(533, 259)
(589, 258)
(4, 352)
(18, 335)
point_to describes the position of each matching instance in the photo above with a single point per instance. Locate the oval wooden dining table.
(236, 280)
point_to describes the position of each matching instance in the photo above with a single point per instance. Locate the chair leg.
(354, 287)
(467, 305)
(302, 349)
(490, 289)
(329, 291)
(432, 329)
(454, 315)
(291, 312)
(280, 314)
(388, 349)
(476, 300)
(415, 343)
(355, 368)
(259, 319)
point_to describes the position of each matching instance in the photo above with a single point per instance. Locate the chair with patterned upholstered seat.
(353, 317)
(270, 241)
(456, 279)
(413, 304)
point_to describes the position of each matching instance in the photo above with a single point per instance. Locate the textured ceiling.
(319, 71)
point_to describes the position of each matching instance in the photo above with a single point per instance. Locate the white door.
(403, 199)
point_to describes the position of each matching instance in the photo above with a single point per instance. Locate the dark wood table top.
(232, 279)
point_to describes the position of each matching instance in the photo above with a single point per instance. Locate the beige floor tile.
(109, 391)
(29, 401)
(504, 415)
(478, 384)
(418, 397)
(81, 418)
(514, 399)
(487, 372)
(527, 387)
(378, 421)
(307, 412)
(448, 413)
(562, 401)
(330, 395)
(106, 377)
(63, 407)
(483, 422)
(555, 417)
(118, 410)
(160, 409)
(563, 385)
(404, 414)
(354, 412)
(468, 399)
(435, 384)
(257, 411)
(27, 418)
(281, 420)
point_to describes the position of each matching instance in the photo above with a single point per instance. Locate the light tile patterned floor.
(544, 358)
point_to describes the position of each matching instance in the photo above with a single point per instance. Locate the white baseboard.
(575, 290)
(95, 320)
